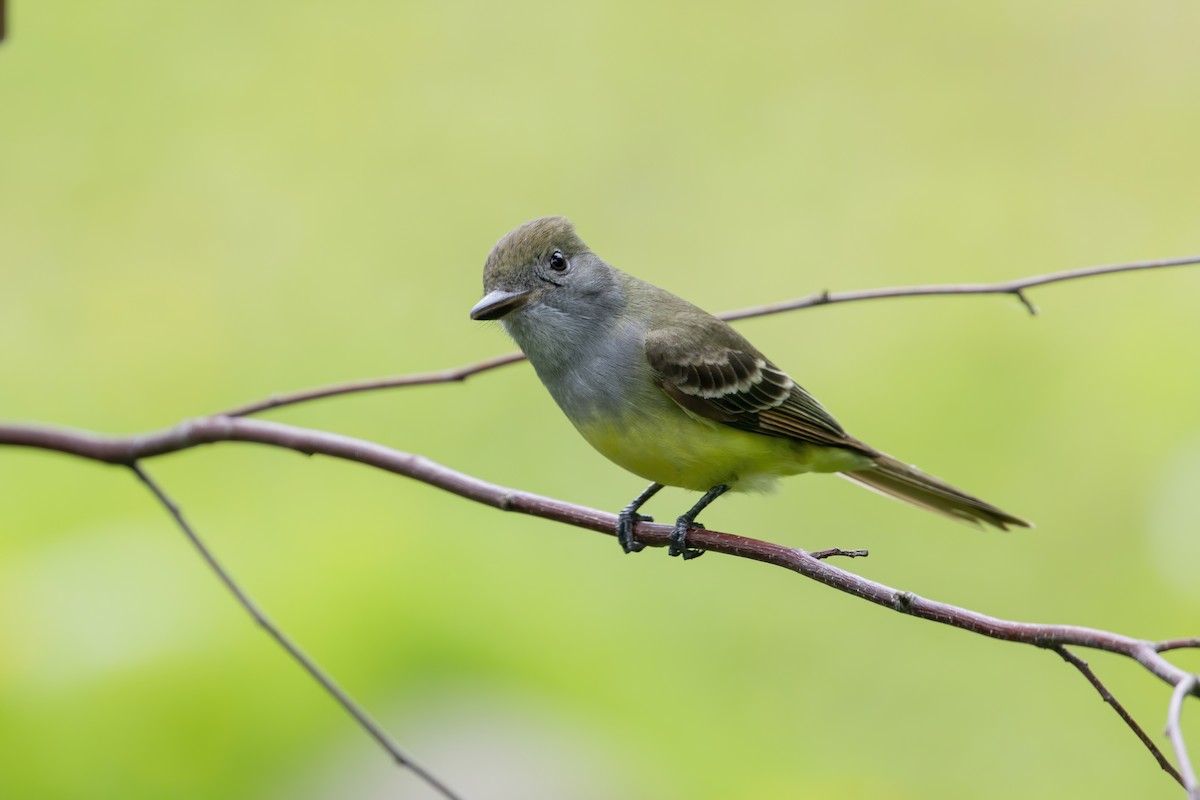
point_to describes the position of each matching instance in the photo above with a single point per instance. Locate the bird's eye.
(558, 262)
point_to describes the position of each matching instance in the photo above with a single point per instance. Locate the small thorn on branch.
(1025, 301)
(837, 551)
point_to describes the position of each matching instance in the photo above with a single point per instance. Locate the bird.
(673, 394)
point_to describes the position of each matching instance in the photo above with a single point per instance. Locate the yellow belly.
(677, 449)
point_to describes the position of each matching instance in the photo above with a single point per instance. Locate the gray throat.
(590, 361)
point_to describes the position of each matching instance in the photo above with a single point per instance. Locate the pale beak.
(499, 303)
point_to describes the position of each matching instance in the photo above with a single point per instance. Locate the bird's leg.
(629, 515)
(678, 541)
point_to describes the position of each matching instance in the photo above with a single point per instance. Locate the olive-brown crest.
(529, 244)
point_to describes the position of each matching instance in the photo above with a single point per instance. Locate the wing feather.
(726, 380)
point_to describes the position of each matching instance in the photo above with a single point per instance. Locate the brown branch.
(371, 384)
(207, 430)
(1014, 287)
(283, 640)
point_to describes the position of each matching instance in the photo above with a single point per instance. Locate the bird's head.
(544, 265)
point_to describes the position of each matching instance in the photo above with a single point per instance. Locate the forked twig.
(126, 450)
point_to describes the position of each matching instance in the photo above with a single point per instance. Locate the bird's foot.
(629, 517)
(677, 542)
(625, 522)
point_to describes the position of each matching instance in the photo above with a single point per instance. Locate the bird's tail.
(904, 482)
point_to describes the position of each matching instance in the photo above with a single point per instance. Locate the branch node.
(904, 602)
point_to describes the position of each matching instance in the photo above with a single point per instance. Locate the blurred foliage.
(203, 203)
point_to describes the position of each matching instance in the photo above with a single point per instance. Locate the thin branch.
(1175, 732)
(1177, 644)
(372, 384)
(1015, 287)
(1108, 697)
(251, 608)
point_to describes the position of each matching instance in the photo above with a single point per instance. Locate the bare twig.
(1014, 287)
(1175, 732)
(837, 551)
(372, 384)
(1107, 697)
(344, 700)
(825, 298)
(1177, 644)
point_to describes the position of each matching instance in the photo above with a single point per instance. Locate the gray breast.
(587, 368)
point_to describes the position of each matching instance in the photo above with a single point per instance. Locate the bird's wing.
(725, 379)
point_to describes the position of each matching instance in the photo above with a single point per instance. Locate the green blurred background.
(204, 203)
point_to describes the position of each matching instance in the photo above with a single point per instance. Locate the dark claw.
(677, 542)
(678, 538)
(629, 517)
(625, 522)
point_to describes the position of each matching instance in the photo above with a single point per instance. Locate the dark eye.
(558, 262)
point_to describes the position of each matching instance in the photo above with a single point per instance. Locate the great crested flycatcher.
(673, 394)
